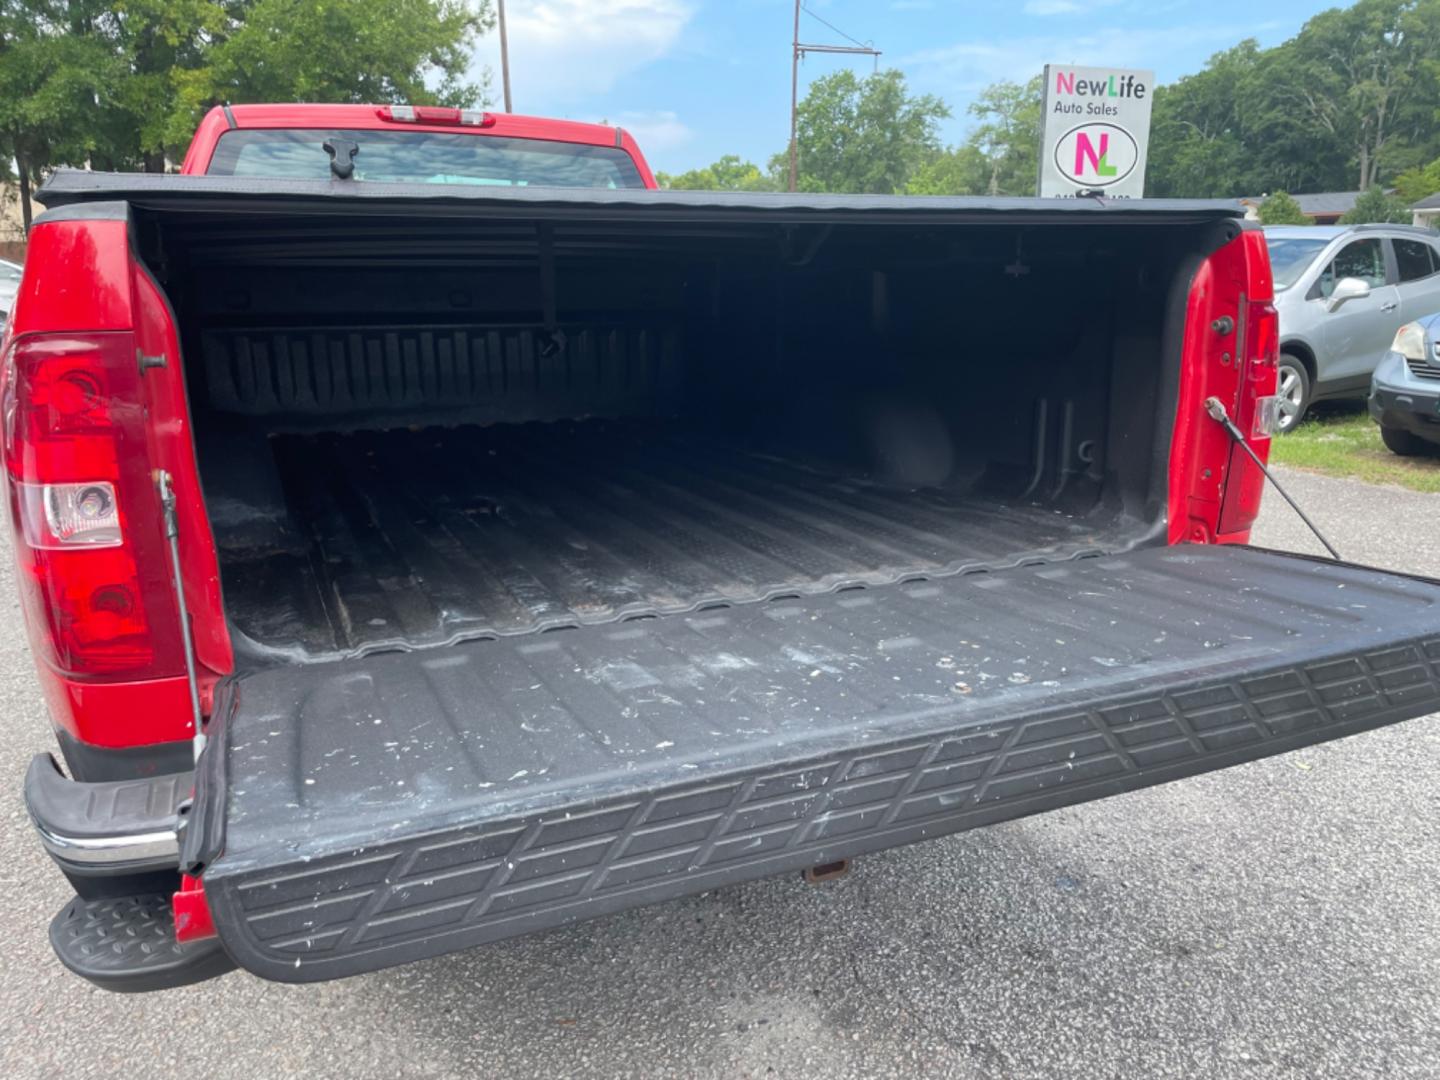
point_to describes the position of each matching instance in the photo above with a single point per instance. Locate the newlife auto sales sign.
(1094, 133)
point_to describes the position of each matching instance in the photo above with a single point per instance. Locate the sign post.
(1094, 131)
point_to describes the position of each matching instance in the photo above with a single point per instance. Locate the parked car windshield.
(426, 157)
(1290, 255)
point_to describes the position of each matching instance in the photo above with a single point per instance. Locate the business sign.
(1095, 127)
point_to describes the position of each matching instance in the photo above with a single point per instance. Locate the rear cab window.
(425, 157)
(1415, 259)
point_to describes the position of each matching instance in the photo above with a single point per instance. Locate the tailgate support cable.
(172, 535)
(1216, 408)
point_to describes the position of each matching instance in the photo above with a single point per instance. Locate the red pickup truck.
(429, 533)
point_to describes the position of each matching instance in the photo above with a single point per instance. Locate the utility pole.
(504, 55)
(799, 50)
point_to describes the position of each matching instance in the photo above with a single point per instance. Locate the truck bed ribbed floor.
(428, 537)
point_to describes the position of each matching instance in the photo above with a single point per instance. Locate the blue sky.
(695, 79)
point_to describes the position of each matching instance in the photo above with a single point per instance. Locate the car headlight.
(1410, 341)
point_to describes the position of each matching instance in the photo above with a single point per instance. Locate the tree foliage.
(865, 135)
(337, 51)
(56, 89)
(960, 170)
(1419, 182)
(1282, 209)
(1346, 103)
(1008, 136)
(1200, 131)
(121, 83)
(1374, 205)
(730, 173)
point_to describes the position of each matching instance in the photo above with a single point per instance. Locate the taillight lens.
(62, 516)
(1245, 484)
(84, 510)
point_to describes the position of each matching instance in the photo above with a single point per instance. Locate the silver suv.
(1342, 292)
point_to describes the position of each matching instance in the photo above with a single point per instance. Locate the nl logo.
(1096, 155)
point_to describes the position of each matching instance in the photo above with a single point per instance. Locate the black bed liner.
(363, 813)
(435, 536)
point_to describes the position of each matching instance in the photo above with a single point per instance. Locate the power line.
(832, 26)
(799, 50)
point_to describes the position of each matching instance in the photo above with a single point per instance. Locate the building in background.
(1427, 212)
(1322, 207)
(12, 224)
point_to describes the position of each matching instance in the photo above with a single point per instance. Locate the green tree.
(962, 170)
(1355, 85)
(1419, 182)
(161, 44)
(863, 135)
(1374, 205)
(730, 173)
(1200, 131)
(1008, 136)
(415, 51)
(58, 82)
(121, 83)
(1282, 209)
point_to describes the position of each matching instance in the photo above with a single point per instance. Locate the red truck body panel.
(1207, 472)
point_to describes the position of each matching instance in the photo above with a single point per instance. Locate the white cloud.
(565, 51)
(656, 131)
(967, 67)
(1043, 8)
(1052, 7)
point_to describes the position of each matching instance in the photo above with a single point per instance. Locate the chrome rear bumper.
(113, 827)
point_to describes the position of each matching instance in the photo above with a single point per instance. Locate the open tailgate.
(363, 813)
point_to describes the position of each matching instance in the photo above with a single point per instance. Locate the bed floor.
(415, 538)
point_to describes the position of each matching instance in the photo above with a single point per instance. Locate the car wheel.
(1406, 443)
(1293, 389)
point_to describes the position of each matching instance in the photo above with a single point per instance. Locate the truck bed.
(408, 539)
(361, 813)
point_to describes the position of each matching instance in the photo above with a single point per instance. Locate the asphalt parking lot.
(1281, 919)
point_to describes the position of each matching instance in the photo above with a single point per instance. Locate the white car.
(1342, 292)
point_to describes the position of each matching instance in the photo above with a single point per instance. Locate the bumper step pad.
(380, 811)
(127, 944)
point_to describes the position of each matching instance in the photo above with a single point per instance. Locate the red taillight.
(1245, 483)
(84, 509)
(435, 114)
